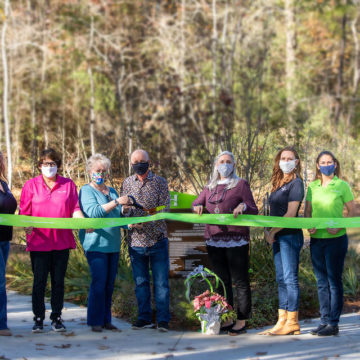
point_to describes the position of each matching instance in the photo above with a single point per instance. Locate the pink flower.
(207, 304)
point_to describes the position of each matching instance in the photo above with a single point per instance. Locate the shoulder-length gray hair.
(215, 177)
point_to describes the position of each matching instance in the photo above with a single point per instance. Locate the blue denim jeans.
(286, 251)
(328, 256)
(103, 269)
(157, 256)
(4, 253)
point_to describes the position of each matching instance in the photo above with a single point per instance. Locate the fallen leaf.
(103, 347)
(105, 337)
(40, 345)
(82, 323)
(18, 335)
(66, 334)
(190, 348)
(153, 353)
(39, 349)
(261, 353)
(62, 346)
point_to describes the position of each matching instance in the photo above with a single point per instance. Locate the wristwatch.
(116, 202)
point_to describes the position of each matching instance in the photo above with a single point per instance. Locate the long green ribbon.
(215, 219)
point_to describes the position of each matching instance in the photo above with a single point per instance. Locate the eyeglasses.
(217, 201)
(49, 164)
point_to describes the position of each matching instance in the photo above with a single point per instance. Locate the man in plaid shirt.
(148, 243)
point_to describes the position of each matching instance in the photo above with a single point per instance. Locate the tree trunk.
(5, 91)
(339, 85)
(92, 111)
(290, 66)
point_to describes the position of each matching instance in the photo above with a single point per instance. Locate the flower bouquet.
(211, 308)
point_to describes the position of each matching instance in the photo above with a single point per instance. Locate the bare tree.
(5, 90)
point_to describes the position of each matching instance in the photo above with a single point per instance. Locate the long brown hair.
(337, 171)
(277, 178)
(2, 167)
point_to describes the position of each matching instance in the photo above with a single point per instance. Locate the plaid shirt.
(151, 193)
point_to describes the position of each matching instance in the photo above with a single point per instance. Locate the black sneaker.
(329, 330)
(315, 331)
(142, 324)
(57, 325)
(163, 326)
(38, 326)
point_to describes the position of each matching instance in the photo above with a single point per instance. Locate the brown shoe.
(5, 332)
(280, 323)
(291, 326)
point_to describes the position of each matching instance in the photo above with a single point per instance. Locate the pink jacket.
(59, 202)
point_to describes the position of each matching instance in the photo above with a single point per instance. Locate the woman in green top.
(325, 198)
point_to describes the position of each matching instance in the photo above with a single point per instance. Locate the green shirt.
(328, 202)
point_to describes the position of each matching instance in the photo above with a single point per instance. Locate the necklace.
(218, 199)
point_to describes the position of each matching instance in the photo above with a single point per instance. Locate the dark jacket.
(241, 193)
(8, 205)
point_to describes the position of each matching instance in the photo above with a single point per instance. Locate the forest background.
(183, 79)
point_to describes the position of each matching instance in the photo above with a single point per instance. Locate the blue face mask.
(225, 169)
(327, 170)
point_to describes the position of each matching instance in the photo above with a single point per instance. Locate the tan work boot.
(291, 326)
(280, 323)
(5, 332)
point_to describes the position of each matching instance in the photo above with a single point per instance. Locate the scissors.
(141, 207)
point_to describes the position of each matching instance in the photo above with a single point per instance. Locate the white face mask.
(287, 166)
(49, 172)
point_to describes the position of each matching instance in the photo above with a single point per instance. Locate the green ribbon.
(215, 219)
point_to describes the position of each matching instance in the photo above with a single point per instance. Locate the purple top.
(241, 193)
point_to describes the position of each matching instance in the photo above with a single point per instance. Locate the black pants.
(43, 262)
(232, 266)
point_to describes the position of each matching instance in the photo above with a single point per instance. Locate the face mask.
(287, 166)
(225, 169)
(327, 170)
(98, 177)
(49, 172)
(140, 168)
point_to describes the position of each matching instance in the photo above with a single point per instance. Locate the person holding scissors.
(148, 242)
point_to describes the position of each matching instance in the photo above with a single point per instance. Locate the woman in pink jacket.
(49, 195)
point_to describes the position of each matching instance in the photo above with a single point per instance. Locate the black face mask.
(140, 168)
